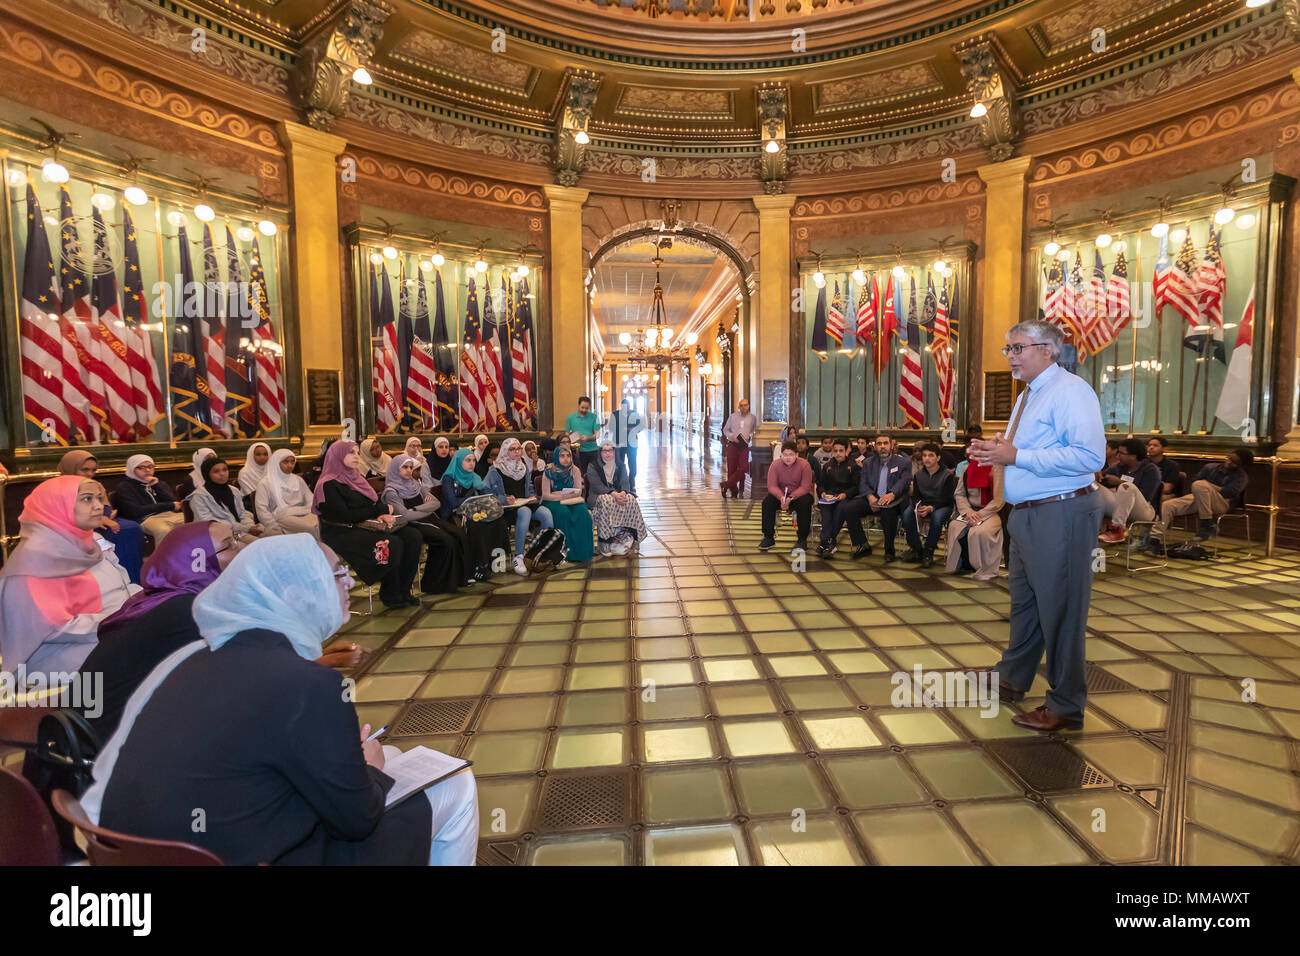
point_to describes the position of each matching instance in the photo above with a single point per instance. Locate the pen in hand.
(377, 733)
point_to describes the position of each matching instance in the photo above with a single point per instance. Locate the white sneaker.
(519, 566)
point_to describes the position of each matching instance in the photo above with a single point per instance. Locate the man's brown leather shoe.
(1006, 693)
(1043, 720)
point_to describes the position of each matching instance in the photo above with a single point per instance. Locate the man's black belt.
(1077, 493)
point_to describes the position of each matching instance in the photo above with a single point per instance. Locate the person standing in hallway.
(1053, 445)
(737, 434)
(583, 427)
(624, 426)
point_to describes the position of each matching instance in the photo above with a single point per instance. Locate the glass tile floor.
(704, 703)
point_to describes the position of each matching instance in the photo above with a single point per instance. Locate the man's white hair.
(1036, 330)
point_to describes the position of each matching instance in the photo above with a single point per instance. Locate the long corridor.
(704, 703)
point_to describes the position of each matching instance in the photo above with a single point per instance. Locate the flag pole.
(1182, 368)
(835, 388)
(1132, 372)
(1191, 405)
(1205, 383)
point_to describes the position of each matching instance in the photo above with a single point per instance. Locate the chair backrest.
(110, 848)
(27, 835)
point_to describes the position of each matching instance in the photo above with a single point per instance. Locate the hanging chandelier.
(656, 345)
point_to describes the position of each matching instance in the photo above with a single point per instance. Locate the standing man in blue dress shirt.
(1053, 446)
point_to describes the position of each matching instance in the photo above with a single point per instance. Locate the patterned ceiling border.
(459, 76)
(906, 93)
(1262, 108)
(1044, 44)
(75, 68)
(884, 200)
(626, 90)
(951, 142)
(694, 166)
(452, 184)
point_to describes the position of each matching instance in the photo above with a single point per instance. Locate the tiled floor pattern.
(703, 703)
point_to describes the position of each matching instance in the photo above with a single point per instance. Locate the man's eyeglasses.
(1020, 347)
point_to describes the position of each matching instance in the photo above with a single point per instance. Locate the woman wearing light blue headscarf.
(461, 482)
(510, 481)
(562, 495)
(246, 726)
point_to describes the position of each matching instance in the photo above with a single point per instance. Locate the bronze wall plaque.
(324, 397)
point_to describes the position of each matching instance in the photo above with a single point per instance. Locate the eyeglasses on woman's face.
(1020, 347)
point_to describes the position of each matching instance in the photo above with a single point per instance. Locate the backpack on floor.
(546, 551)
(622, 543)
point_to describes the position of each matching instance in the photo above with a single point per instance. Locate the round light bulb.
(102, 201)
(1121, 246)
(691, 338)
(267, 228)
(859, 277)
(522, 270)
(940, 265)
(819, 278)
(1051, 248)
(439, 259)
(53, 171)
(625, 338)
(362, 76)
(650, 336)
(1225, 215)
(899, 272)
(390, 252)
(1246, 220)
(480, 266)
(581, 137)
(245, 234)
(773, 146)
(978, 110)
(656, 378)
(176, 218)
(1160, 229)
(1178, 235)
(15, 177)
(1104, 240)
(135, 195)
(376, 259)
(947, 273)
(708, 368)
(665, 335)
(204, 212)
(1064, 255)
(426, 265)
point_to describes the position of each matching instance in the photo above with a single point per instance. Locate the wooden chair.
(27, 835)
(110, 848)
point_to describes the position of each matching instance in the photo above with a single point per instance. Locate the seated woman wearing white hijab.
(285, 777)
(145, 498)
(254, 470)
(283, 500)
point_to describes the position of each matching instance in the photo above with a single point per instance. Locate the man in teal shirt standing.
(583, 427)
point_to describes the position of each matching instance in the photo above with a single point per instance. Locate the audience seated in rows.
(1216, 488)
(510, 481)
(1129, 490)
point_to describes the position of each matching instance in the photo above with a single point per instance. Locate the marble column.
(769, 344)
(568, 364)
(1004, 243)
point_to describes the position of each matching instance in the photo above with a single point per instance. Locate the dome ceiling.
(856, 66)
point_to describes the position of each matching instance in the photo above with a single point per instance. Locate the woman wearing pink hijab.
(343, 500)
(61, 581)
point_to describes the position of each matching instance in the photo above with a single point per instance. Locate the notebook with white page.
(418, 769)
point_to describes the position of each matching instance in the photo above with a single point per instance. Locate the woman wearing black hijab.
(215, 499)
(439, 458)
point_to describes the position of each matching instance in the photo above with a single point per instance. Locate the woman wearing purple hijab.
(157, 621)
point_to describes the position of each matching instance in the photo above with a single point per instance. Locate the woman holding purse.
(459, 484)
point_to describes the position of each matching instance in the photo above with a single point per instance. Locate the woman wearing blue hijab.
(460, 482)
(562, 495)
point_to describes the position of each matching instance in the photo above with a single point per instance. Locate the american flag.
(1211, 281)
(270, 361)
(472, 399)
(1074, 304)
(1098, 332)
(74, 295)
(1117, 294)
(866, 318)
(384, 371)
(494, 408)
(1164, 270)
(418, 370)
(521, 347)
(53, 394)
(1181, 290)
(444, 361)
(505, 352)
(1054, 293)
(835, 318)
(941, 350)
(107, 326)
(146, 382)
(214, 341)
(911, 397)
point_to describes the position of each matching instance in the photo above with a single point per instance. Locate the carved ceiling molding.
(571, 140)
(956, 141)
(1263, 108)
(380, 115)
(773, 118)
(81, 70)
(451, 184)
(884, 200)
(323, 79)
(991, 80)
(631, 166)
